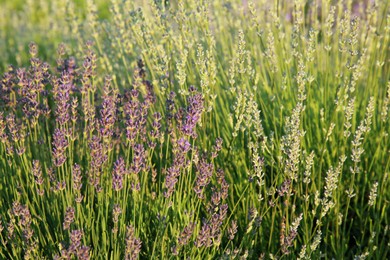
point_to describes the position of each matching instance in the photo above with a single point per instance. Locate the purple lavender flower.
(232, 230)
(69, 218)
(11, 229)
(217, 147)
(156, 125)
(75, 247)
(223, 183)
(133, 115)
(215, 224)
(61, 185)
(59, 146)
(83, 253)
(33, 49)
(91, 122)
(205, 171)
(116, 212)
(138, 159)
(204, 237)
(3, 135)
(223, 212)
(77, 177)
(25, 220)
(108, 111)
(66, 254)
(16, 208)
(281, 233)
(61, 90)
(74, 105)
(184, 145)
(70, 66)
(215, 197)
(77, 182)
(186, 234)
(179, 162)
(117, 175)
(37, 172)
(194, 111)
(98, 158)
(171, 180)
(133, 245)
(12, 128)
(30, 85)
(107, 117)
(284, 188)
(75, 239)
(89, 64)
(7, 84)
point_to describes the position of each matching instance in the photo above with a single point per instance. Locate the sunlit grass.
(201, 129)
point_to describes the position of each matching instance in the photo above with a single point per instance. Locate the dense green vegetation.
(194, 129)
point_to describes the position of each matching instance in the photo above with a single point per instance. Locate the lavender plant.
(195, 129)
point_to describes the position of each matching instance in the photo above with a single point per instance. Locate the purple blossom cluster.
(132, 122)
(210, 233)
(74, 113)
(203, 177)
(133, 244)
(232, 230)
(37, 172)
(214, 226)
(69, 218)
(77, 182)
(284, 188)
(62, 88)
(31, 84)
(216, 148)
(75, 248)
(25, 220)
(60, 143)
(139, 159)
(116, 212)
(89, 68)
(136, 113)
(155, 133)
(179, 162)
(186, 234)
(3, 134)
(211, 230)
(193, 112)
(101, 149)
(29, 90)
(118, 174)
(98, 158)
(13, 128)
(204, 238)
(107, 112)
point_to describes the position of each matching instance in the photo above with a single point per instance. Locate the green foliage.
(276, 137)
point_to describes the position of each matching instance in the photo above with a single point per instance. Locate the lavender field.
(194, 129)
